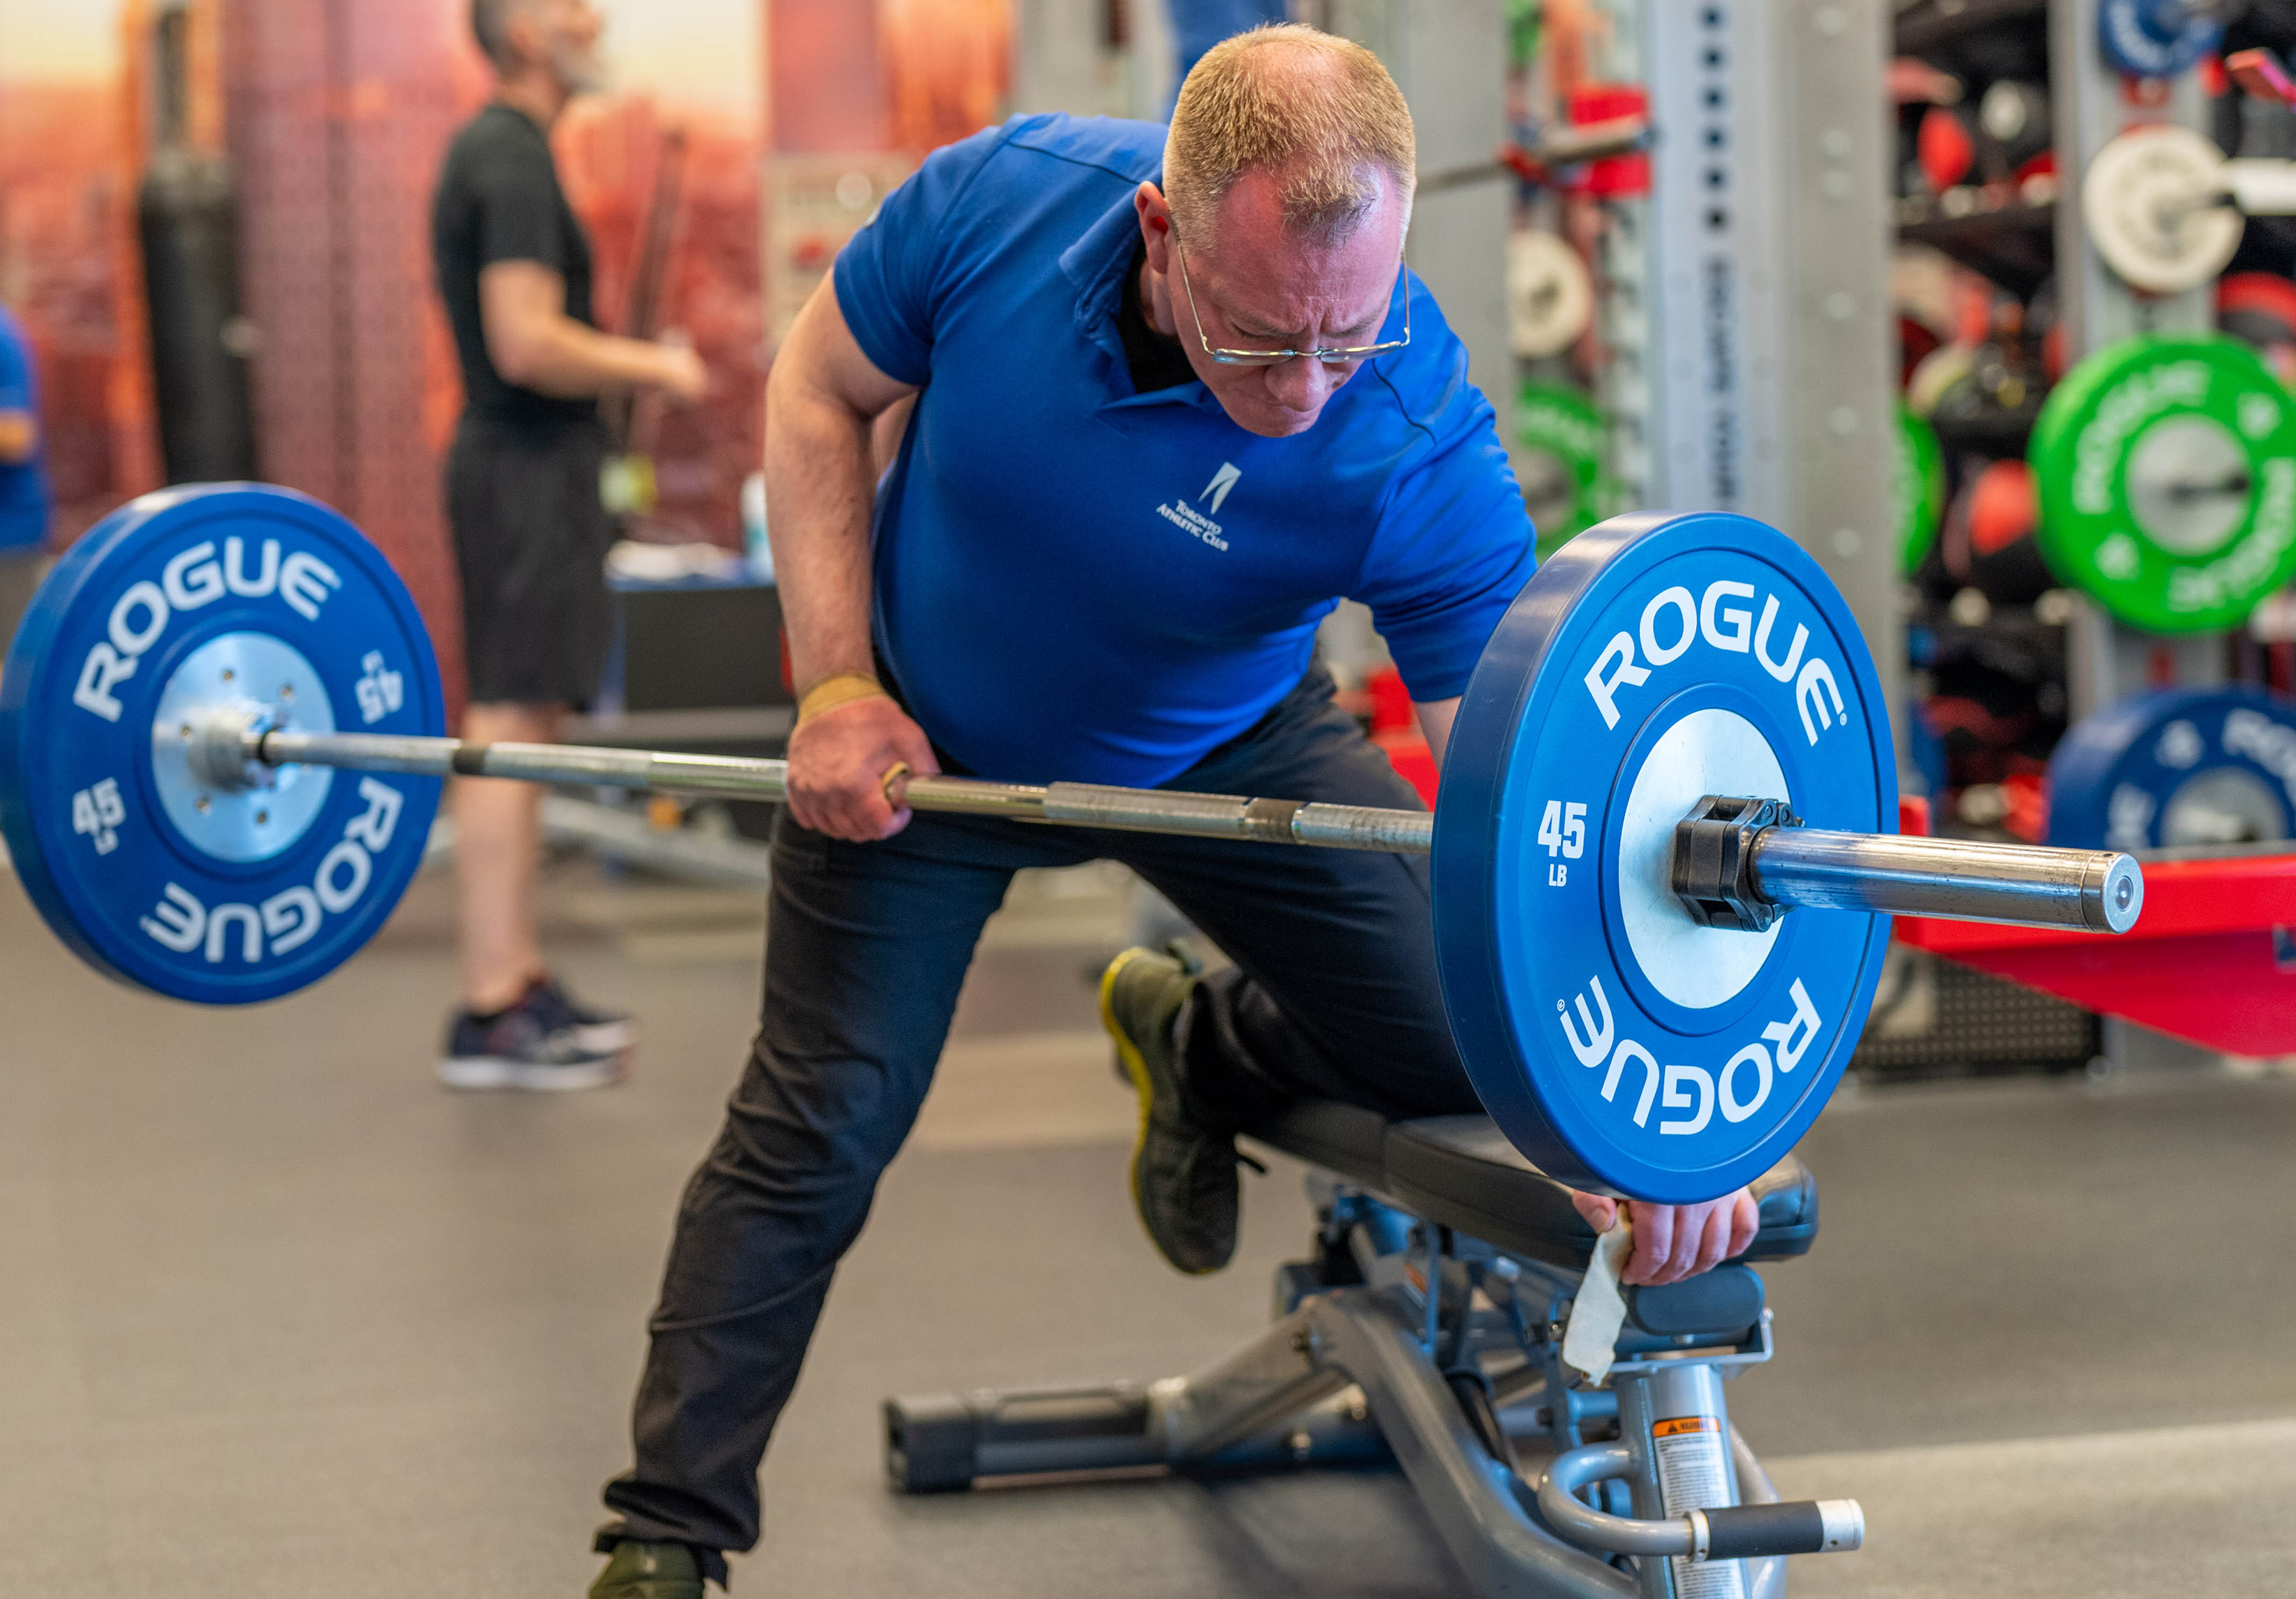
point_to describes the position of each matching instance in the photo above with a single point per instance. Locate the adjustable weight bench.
(1539, 1482)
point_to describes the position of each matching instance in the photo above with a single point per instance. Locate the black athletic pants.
(1333, 994)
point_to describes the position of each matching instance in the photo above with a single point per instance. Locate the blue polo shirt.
(23, 485)
(1075, 580)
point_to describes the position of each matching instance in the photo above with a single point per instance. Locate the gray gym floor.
(281, 1318)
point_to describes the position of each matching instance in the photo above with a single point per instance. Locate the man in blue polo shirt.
(24, 505)
(1159, 402)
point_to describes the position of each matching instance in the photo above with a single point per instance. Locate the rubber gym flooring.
(281, 1318)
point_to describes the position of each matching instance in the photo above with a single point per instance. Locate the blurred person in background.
(530, 532)
(24, 502)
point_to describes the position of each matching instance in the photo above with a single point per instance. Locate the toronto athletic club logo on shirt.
(1189, 519)
(1216, 491)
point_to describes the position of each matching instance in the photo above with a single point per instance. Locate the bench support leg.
(1345, 1371)
(1504, 1549)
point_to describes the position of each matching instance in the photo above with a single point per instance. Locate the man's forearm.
(819, 490)
(1435, 719)
(570, 360)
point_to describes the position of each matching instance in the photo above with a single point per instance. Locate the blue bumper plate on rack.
(2157, 38)
(2178, 769)
(1653, 660)
(220, 886)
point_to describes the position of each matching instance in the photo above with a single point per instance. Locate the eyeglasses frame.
(1330, 356)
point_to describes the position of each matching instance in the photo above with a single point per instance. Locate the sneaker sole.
(1136, 1069)
(473, 1073)
(606, 1038)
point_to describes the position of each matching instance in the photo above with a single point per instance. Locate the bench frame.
(1464, 1388)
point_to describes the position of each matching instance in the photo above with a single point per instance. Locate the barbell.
(222, 736)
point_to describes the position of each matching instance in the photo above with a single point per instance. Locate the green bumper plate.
(1919, 491)
(1564, 445)
(2167, 469)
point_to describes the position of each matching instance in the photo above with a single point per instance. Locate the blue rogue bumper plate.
(1652, 660)
(185, 601)
(2178, 768)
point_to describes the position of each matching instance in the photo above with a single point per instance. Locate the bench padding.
(1461, 1171)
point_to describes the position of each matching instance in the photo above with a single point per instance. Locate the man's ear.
(1155, 226)
(522, 33)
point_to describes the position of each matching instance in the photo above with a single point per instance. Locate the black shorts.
(530, 536)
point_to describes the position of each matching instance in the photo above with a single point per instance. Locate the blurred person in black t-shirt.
(530, 531)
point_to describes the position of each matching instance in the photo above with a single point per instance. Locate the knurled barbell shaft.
(1953, 878)
(737, 777)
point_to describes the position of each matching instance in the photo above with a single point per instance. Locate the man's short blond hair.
(1319, 112)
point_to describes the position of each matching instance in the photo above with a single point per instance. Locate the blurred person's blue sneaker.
(604, 1031)
(536, 1045)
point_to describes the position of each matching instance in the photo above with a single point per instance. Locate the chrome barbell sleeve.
(1962, 880)
(1739, 863)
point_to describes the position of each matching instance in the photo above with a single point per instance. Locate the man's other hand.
(1674, 1242)
(683, 377)
(837, 765)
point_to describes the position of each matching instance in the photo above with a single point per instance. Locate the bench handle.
(1726, 1532)
(1791, 1527)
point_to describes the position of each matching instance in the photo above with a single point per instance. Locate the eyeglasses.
(1273, 358)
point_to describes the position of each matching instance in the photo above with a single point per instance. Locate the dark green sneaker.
(1183, 1182)
(649, 1571)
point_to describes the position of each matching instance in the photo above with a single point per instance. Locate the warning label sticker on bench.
(1693, 1474)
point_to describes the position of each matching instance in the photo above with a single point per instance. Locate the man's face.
(1254, 286)
(563, 36)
